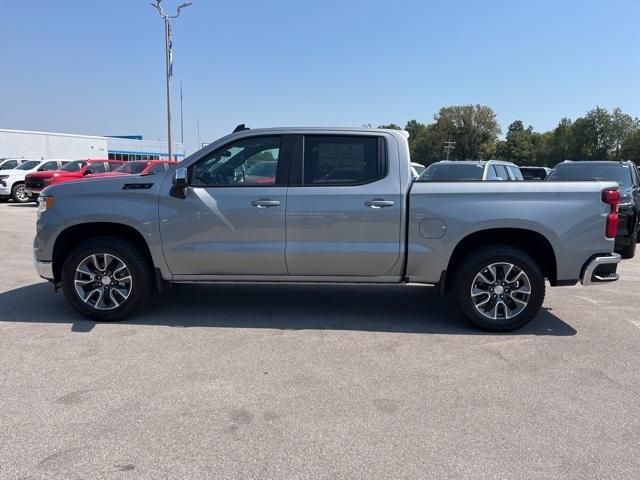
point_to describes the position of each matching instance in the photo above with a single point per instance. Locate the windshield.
(28, 165)
(584, 171)
(451, 172)
(132, 167)
(73, 166)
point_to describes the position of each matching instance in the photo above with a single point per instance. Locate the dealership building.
(43, 145)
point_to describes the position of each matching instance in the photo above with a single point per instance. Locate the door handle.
(379, 203)
(265, 203)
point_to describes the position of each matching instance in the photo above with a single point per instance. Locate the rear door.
(344, 206)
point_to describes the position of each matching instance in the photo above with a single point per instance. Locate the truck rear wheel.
(500, 288)
(107, 279)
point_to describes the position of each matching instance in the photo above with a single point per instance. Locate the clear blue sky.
(94, 67)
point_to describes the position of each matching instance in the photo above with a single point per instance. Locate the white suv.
(12, 181)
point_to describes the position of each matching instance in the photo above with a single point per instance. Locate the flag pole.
(167, 39)
(168, 45)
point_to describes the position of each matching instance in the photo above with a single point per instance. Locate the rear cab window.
(586, 171)
(451, 172)
(515, 173)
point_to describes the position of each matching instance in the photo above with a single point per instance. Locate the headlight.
(44, 204)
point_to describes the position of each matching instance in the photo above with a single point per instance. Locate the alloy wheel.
(21, 195)
(103, 281)
(501, 291)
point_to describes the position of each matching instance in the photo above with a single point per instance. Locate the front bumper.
(4, 191)
(601, 269)
(32, 193)
(45, 269)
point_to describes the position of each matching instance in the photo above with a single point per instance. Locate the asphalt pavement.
(313, 382)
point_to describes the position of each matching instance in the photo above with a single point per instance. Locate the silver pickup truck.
(322, 206)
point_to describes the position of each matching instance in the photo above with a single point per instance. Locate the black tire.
(629, 251)
(137, 265)
(18, 194)
(473, 265)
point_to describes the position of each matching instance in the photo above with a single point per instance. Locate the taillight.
(611, 198)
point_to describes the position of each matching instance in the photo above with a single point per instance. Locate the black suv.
(628, 178)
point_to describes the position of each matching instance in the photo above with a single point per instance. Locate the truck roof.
(328, 129)
(477, 162)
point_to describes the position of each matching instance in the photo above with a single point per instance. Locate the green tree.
(622, 126)
(425, 147)
(470, 126)
(599, 130)
(519, 144)
(414, 128)
(631, 147)
(391, 126)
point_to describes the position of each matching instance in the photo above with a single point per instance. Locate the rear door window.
(97, 168)
(112, 166)
(48, 166)
(342, 160)
(501, 171)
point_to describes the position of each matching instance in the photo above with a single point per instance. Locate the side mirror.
(87, 172)
(179, 187)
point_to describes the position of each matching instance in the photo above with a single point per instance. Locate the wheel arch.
(531, 242)
(76, 234)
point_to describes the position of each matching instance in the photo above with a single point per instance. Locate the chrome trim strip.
(595, 263)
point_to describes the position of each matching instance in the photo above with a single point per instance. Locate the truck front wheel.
(107, 279)
(18, 194)
(500, 288)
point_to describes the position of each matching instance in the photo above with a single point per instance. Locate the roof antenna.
(240, 128)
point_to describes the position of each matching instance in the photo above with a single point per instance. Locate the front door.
(232, 221)
(344, 216)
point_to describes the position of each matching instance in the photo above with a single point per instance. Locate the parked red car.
(138, 167)
(77, 169)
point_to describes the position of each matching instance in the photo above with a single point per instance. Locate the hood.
(49, 174)
(104, 186)
(15, 172)
(76, 174)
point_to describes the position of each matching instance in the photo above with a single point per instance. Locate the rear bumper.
(601, 269)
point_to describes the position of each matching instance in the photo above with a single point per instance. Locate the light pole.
(169, 60)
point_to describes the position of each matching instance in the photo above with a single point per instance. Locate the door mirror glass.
(88, 171)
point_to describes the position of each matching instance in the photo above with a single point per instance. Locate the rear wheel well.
(73, 236)
(533, 243)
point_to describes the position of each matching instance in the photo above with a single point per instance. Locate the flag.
(170, 51)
